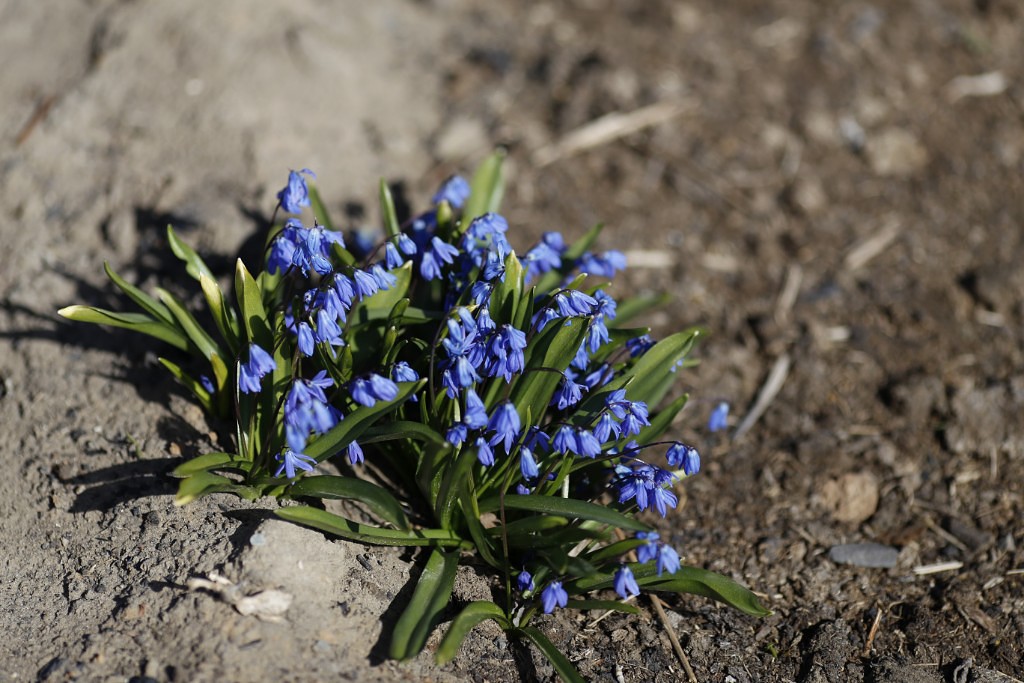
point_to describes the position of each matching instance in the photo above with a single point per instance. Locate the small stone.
(874, 555)
(851, 498)
(895, 152)
(257, 540)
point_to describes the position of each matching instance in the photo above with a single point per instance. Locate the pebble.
(873, 555)
(257, 540)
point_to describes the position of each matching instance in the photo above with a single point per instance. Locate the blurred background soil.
(834, 190)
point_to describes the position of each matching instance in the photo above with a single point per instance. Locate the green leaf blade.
(374, 497)
(564, 507)
(136, 322)
(469, 618)
(433, 591)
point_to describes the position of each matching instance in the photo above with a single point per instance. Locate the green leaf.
(662, 421)
(190, 383)
(710, 585)
(319, 209)
(387, 210)
(250, 302)
(564, 507)
(486, 190)
(553, 349)
(685, 580)
(652, 375)
(617, 549)
(136, 322)
(528, 527)
(210, 461)
(201, 340)
(476, 529)
(630, 308)
(148, 303)
(400, 430)
(433, 591)
(201, 484)
(223, 315)
(473, 614)
(374, 497)
(561, 663)
(366, 533)
(357, 422)
(613, 605)
(194, 265)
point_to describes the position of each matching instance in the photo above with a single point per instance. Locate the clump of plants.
(512, 415)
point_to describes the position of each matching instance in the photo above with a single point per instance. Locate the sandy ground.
(836, 185)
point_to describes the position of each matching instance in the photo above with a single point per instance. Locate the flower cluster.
(482, 381)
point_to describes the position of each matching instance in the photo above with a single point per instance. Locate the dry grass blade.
(863, 252)
(607, 129)
(772, 385)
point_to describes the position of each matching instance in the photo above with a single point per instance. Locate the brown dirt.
(819, 144)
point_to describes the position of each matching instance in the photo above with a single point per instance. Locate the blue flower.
(649, 550)
(553, 595)
(391, 256)
(506, 352)
(524, 582)
(586, 444)
(292, 460)
(437, 253)
(366, 284)
(207, 384)
(569, 393)
(366, 392)
(304, 333)
(545, 256)
(455, 191)
(384, 279)
(486, 234)
(505, 424)
(327, 329)
(565, 440)
(537, 440)
(572, 302)
(599, 377)
(306, 410)
(606, 426)
(251, 374)
(313, 249)
(295, 194)
(402, 372)
(668, 559)
(355, 453)
(647, 485)
(475, 416)
(282, 249)
(459, 375)
(484, 454)
(456, 434)
(345, 291)
(406, 245)
(719, 419)
(638, 346)
(625, 583)
(679, 454)
(527, 465)
(604, 264)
